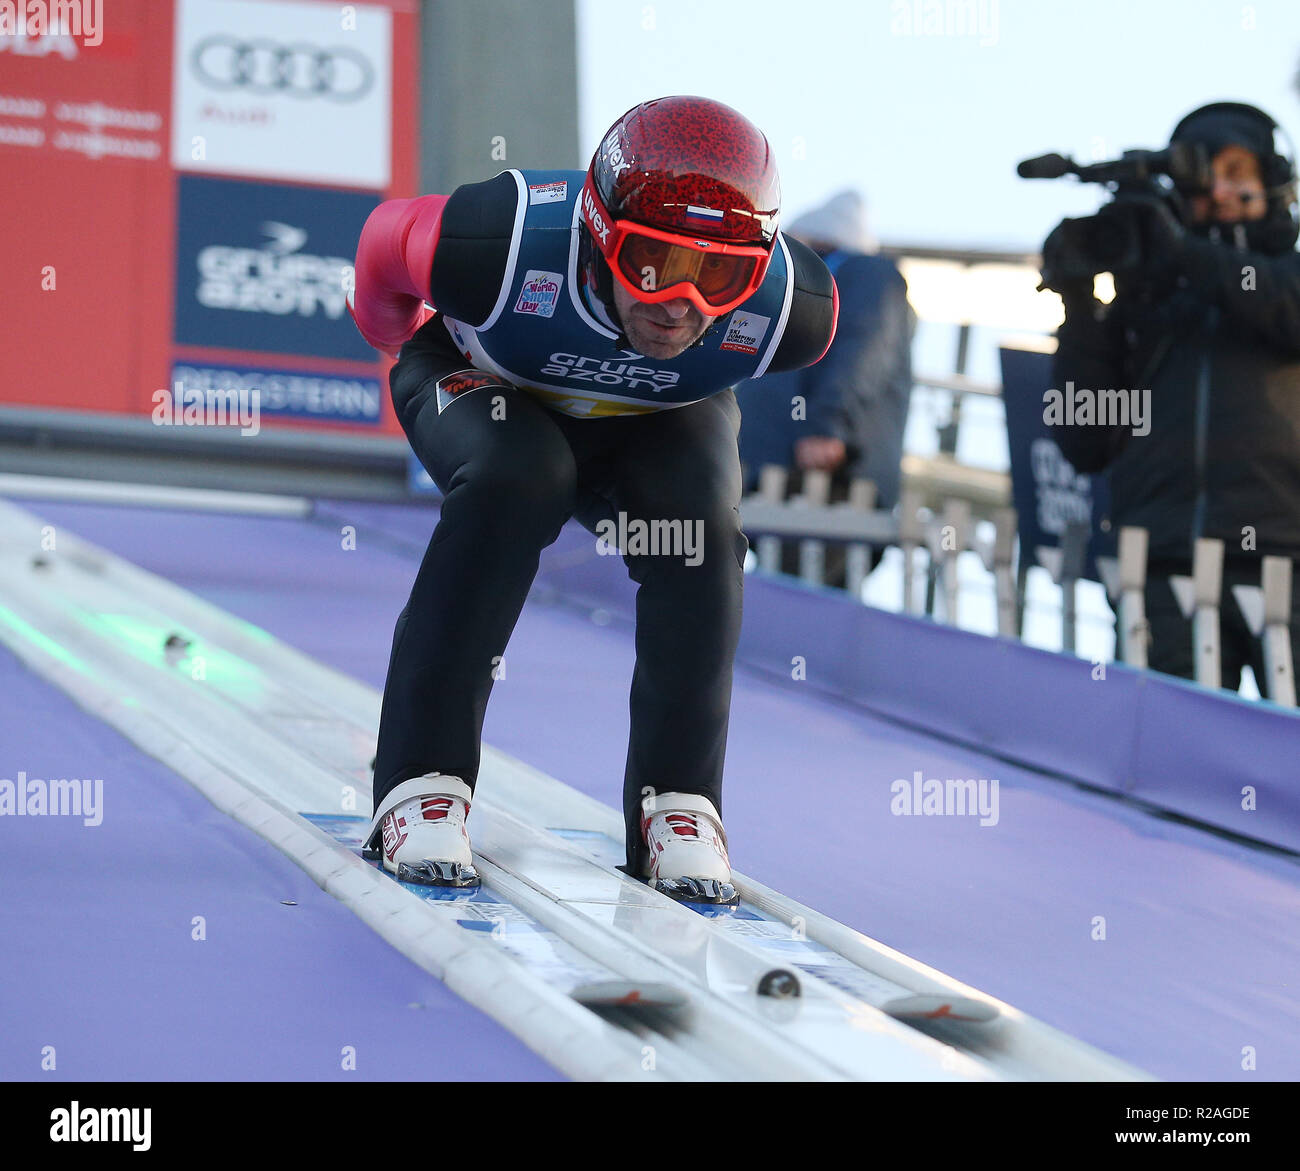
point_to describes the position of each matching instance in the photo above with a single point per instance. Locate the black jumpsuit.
(509, 484)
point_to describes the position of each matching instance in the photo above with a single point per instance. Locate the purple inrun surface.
(1164, 944)
(100, 959)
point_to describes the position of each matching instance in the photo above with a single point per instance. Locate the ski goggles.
(654, 265)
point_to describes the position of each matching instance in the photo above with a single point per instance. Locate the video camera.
(1111, 241)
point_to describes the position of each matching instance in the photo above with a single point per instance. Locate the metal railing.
(768, 517)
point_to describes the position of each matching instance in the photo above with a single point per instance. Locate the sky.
(926, 113)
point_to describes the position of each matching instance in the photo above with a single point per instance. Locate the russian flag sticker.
(703, 215)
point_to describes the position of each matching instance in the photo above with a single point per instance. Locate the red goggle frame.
(654, 265)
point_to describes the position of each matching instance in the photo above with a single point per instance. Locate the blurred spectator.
(855, 400)
(1210, 325)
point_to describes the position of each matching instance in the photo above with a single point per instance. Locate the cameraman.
(1209, 321)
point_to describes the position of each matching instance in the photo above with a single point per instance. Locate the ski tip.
(629, 994)
(964, 1009)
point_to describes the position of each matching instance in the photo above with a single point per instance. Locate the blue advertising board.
(277, 393)
(263, 267)
(1048, 493)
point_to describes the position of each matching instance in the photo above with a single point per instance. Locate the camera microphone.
(1051, 166)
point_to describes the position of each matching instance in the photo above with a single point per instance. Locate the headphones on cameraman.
(1278, 169)
(1281, 227)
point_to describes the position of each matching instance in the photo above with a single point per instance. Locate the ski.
(787, 947)
(484, 910)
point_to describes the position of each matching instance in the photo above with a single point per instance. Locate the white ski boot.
(420, 827)
(688, 849)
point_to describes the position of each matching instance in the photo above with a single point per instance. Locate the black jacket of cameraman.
(1214, 333)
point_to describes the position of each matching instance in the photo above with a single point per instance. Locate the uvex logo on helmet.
(592, 214)
(613, 153)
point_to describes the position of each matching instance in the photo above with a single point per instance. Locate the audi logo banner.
(273, 87)
(256, 66)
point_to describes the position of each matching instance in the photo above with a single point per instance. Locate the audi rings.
(261, 66)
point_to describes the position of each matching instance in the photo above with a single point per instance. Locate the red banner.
(183, 186)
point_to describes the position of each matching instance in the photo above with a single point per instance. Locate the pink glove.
(394, 263)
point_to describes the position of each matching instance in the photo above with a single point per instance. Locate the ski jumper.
(527, 406)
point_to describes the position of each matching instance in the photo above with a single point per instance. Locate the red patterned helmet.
(682, 199)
